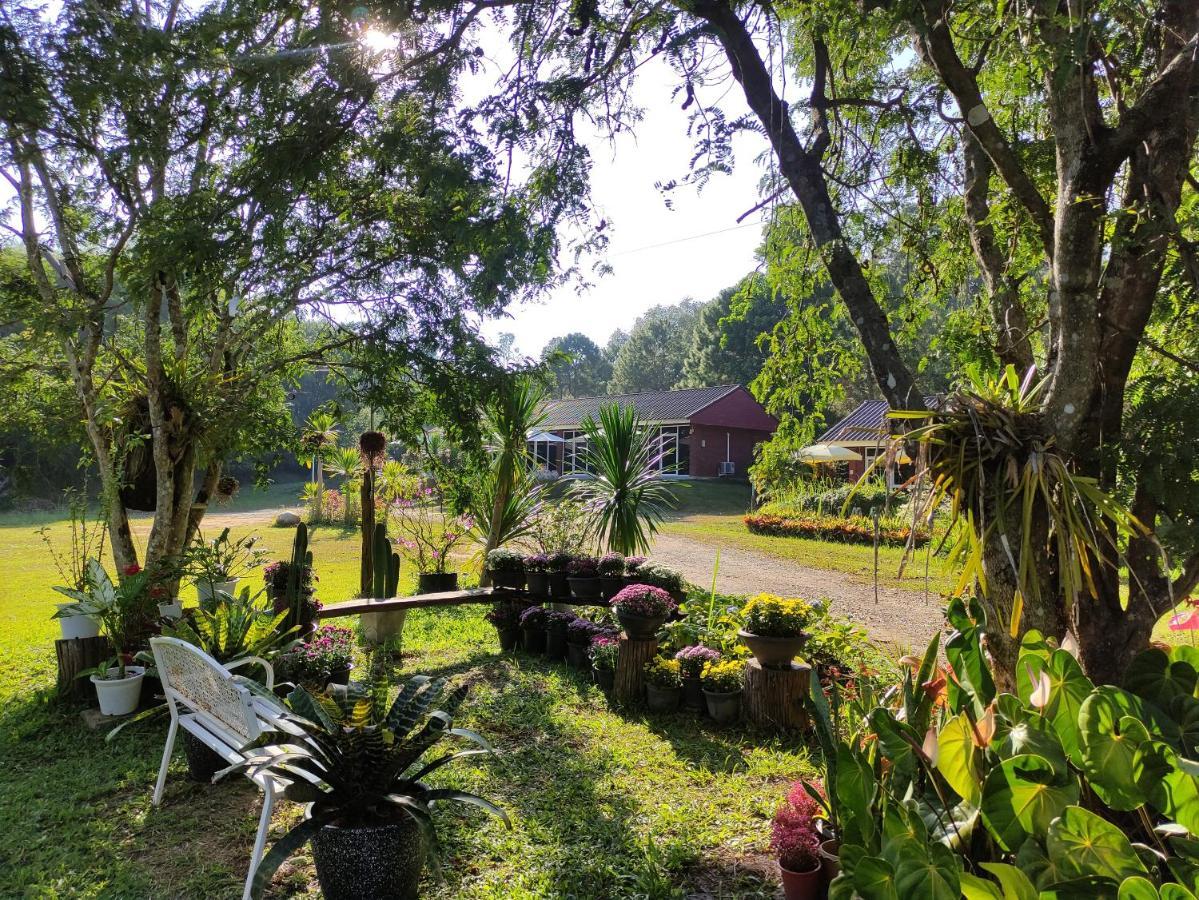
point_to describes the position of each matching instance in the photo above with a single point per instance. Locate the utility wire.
(693, 237)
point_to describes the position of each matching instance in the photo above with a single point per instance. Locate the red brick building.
(704, 432)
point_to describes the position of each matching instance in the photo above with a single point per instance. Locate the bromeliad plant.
(368, 753)
(946, 787)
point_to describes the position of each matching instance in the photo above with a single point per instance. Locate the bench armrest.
(246, 660)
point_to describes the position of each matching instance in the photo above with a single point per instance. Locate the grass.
(605, 803)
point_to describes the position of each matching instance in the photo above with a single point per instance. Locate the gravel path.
(901, 617)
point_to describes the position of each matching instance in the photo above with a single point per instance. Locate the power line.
(693, 237)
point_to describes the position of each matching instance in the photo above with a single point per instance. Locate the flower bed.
(851, 529)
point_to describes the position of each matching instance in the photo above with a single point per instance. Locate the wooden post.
(74, 656)
(629, 685)
(774, 697)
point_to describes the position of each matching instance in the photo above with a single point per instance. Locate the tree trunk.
(774, 698)
(629, 685)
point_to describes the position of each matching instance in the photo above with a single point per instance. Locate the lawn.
(604, 803)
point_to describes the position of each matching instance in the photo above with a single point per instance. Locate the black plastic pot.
(559, 585)
(514, 580)
(509, 638)
(639, 628)
(605, 678)
(555, 643)
(533, 639)
(538, 583)
(723, 708)
(611, 585)
(576, 655)
(437, 582)
(661, 699)
(202, 761)
(693, 695)
(341, 676)
(584, 588)
(383, 862)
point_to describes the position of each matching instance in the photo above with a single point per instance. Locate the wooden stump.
(74, 656)
(774, 698)
(629, 685)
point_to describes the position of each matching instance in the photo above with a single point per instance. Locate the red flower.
(132, 569)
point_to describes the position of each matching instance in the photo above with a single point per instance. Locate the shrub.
(772, 616)
(559, 561)
(533, 617)
(504, 560)
(794, 837)
(661, 577)
(537, 563)
(663, 673)
(583, 567)
(644, 600)
(693, 659)
(865, 500)
(852, 529)
(504, 615)
(611, 565)
(604, 651)
(723, 676)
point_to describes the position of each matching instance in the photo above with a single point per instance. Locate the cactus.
(385, 564)
(301, 558)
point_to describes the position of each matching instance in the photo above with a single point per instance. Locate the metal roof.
(651, 406)
(867, 423)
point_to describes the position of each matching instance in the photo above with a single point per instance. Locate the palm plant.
(627, 496)
(346, 463)
(358, 759)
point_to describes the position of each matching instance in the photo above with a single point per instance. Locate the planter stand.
(773, 698)
(381, 627)
(630, 668)
(74, 656)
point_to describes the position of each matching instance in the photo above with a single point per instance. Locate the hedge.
(851, 529)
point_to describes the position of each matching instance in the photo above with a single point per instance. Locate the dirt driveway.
(901, 617)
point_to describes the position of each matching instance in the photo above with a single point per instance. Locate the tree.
(578, 366)
(191, 182)
(652, 357)
(728, 343)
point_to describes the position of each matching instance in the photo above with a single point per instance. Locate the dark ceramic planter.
(661, 699)
(604, 677)
(538, 583)
(807, 885)
(693, 695)
(559, 585)
(509, 638)
(584, 588)
(830, 858)
(576, 655)
(611, 585)
(513, 580)
(533, 639)
(639, 628)
(773, 652)
(342, 676)
(555, 643)
(724, 709)
(202, 761)
(437, 582)
(383, 862)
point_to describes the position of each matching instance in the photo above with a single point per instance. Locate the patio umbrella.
(826, 453)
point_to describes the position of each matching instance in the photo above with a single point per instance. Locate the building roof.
(651, 406)
(867, 424)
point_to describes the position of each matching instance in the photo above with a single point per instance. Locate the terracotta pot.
(509, 638)
(437, 582)
(379, 861)
(639, 628)
(538, 583)
(773, 652)
(584, 588)
(802, 885)
(512, 580)
(724, 709)
(661, 699)
(830, 858)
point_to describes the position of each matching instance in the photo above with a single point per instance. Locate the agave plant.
(359, 760)
(626, 496)
(234, 628)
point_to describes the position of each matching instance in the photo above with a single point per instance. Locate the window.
(674, 443)
(574, 450)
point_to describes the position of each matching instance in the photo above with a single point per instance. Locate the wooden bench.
(216, 707)
(442, 598)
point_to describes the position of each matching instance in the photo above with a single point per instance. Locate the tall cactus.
(385, 564)
(301, 559)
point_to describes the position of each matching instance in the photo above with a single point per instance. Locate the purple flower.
(644, 600)
(692, 659)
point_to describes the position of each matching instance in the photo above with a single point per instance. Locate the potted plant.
(429, 536)
(669, 580)
(641, 609)
(722, 682)
(532, 627)
(537, 577)
(632, 567)
(368, 818)
(506, 568)
(578, 638)
(663, 684)
(505, 616)
(86, 542)
(216, 566)
(557, 621)
(611, 574)
(691, 668)
(795, 840)
(584, 578)
(773, 629)
(122, 612)
(604, 651)
(324, 658)
(558, 573)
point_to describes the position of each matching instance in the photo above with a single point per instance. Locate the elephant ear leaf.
(1159, 678)
(1016, 885)
(1137, 887)
(1085, 845)
(1021, 796)
(874, 879)
(1111, 724)
(956, 758)
(1067, 687)
(1170, 783)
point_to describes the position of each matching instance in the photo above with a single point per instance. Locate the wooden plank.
(443, 598)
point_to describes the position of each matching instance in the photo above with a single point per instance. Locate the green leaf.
(874, 879)
(1111, 724)
(1176, 892)
(855, 787)
(1137, 887)
(975, 888)
(1068, 688)
(1168, 782)
(1159, 679)
(1083, 845)
(1033, 736)
(934, 875)
(971, 679)
(1016, 885)
(956, 758)
(1021, 796)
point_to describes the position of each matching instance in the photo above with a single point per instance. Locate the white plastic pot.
(172, 611)
(381, 627)
(77, 626)
(119, 696)
(207, 591)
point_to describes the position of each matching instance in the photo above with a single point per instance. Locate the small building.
(703, 432)
(865, 431)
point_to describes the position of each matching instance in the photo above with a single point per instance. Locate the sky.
(658, 255)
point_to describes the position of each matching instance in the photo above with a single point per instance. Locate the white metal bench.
(215, 706)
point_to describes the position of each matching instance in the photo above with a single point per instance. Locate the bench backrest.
(193, 678)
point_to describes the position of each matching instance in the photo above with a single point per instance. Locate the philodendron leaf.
(933, 876)
(855, 788)
(1158, 677)
(1034, 735)
(1112, 730)
(1085, 845)
(975, 888)
(1068, 688)
(1176, 892)
(874, 879)
(1021, 796)
(1137, 887)
(1170, 783)
(1036, 864)
(1016, 885)
(956, 758)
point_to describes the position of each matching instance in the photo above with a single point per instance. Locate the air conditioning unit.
(728, 467)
